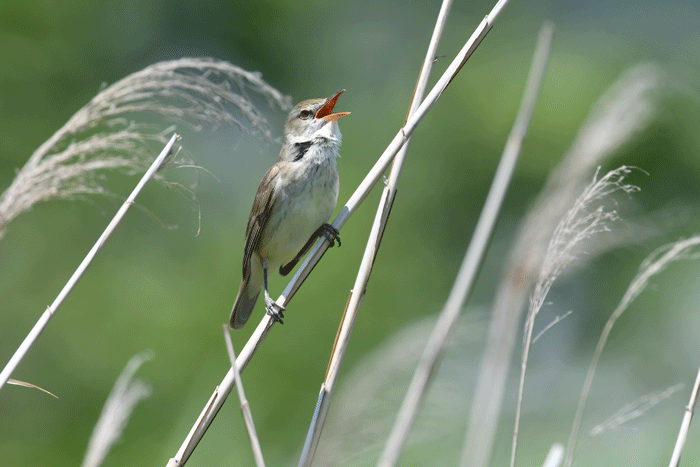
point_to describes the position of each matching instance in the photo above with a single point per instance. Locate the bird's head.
(313, 120)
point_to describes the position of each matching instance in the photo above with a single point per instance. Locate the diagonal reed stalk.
(479, 453)
(51, 310)
(623, 111)
(125, 394)
(102, 136)
(222, 391)
(685, 424)
(381, 218)
(653, 265)
(589, 216)
(105, 134)
(472, 261)
(245, 407)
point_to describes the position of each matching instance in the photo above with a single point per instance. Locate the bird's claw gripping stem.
(274, 309)
(331, 233)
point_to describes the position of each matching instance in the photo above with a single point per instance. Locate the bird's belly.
(300, 208)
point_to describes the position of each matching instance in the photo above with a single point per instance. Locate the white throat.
(327, 135)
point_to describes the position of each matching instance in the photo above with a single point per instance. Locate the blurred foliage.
(169, 290)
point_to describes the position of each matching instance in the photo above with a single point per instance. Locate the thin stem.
(650, 268)
(460, 291)
(245, 407)
(483, 417)
(219, 396)
(51, 310)
(685, 425)
(30, 385)
(551, 323)
(623, 110)
(381, 218)
(388, 155)
(529, 324)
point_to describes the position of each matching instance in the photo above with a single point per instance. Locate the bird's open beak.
(324, 113)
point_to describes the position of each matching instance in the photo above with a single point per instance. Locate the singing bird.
(293, 204)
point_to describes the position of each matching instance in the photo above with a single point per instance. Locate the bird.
(293, 204)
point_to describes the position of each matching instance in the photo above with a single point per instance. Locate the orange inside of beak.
(334, 117)
(324, 113)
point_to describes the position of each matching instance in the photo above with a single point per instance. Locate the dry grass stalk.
(472, 261)
(633, 410)
(30, 385)
(103, 135)
(625, 109)
(126, 393)
(685, 424)
(222, 391)
(50, 311)
(381, 218)
(588, 216)
(650, 267)
(245, 407)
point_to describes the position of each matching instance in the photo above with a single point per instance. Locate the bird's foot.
(331, 233)
(274, 309)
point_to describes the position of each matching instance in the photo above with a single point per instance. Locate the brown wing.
(259, 215)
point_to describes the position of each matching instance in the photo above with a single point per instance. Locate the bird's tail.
(244, 305)
(247, 295)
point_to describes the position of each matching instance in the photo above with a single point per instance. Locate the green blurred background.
(169, 289)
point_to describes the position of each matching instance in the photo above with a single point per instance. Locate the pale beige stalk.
(222, 391)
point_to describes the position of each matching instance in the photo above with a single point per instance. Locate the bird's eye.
(305, 114)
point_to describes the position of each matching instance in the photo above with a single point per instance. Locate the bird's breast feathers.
(305, 195)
